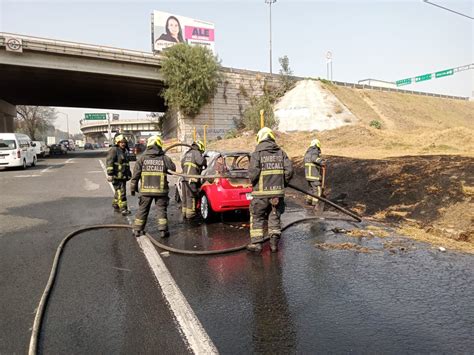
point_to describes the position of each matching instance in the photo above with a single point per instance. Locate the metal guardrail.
(380, 88)
(82, 49)
(92, 123)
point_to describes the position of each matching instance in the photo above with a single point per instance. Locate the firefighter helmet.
(200, 145)
(265, 133)
(315, 143)
(154, 140)
(120, 138)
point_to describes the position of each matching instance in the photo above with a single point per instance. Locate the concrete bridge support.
(7, 116)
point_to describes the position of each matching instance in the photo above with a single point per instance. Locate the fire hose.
(33, 348)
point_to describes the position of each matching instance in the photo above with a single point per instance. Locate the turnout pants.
(120, 196)
(315, 188)
(144, 205)
(188, 203)
(262, 210)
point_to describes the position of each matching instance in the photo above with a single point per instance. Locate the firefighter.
(151, 168)
(192, 163)
(270, 171)
(313, 164)
(118, 173)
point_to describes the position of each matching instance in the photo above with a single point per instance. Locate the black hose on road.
(33, 349)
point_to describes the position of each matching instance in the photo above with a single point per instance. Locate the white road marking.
(46, 169)
(69, 161)
(194, 334)
(94, 171)
(34, 175)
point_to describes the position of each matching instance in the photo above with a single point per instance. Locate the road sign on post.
(423, 77)
(440, 74)
(403, 82)
(95, 116)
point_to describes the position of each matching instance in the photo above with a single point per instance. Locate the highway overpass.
(48, 72)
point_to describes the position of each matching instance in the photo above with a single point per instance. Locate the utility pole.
(67, 122)
(270, 2)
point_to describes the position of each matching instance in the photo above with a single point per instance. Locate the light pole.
(270, 2)
(67, 122)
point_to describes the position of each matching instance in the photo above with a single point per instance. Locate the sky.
(379, 39)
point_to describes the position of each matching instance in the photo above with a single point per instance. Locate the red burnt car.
(218, 195)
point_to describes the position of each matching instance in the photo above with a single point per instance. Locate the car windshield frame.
(7, 146)
(213, 162)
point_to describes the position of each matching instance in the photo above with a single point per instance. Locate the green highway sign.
(440, 74)
(95, 116)
(403, 82)
(423, 77)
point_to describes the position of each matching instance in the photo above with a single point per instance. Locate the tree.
(191, 75)
(34, 120)
(286, 74)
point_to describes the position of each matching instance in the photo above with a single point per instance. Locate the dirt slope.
(416, 172)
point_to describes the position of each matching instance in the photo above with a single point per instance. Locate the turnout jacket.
(151, 168)
(270, 170)
(193, 162)
(312, 164)
(118, 164)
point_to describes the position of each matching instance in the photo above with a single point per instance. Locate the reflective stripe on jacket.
(117, 164)
(193, 163)
(312, 164)
(151, 169)
(270, 170)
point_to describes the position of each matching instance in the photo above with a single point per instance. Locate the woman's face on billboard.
(173, 27)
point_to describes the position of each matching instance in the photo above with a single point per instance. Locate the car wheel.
(24, 164)
(34, 162)
(206, 210)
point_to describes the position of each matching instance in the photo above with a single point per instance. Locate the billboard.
(169, 29)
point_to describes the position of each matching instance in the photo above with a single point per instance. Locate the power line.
(445, 8)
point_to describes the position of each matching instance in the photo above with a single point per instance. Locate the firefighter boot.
(274, 239)
(254, 247)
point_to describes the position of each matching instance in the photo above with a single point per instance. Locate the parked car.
(17, 149)
(68, 143)
(88, 146)
(40, 148)
(218, 195)
(106, 145)
(58, 149)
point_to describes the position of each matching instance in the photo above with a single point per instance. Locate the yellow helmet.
(265, 133)
(154, 140)
(315, 143)
(119, 138)
(200, 145)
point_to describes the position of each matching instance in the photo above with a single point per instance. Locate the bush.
(375, 124)
(252, 113)
(191, 75)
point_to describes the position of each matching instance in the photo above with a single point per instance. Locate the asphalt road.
(397, 296)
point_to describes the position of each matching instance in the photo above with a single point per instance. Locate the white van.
(16, 149)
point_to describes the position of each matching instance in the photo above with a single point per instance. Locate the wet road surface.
(391, 295)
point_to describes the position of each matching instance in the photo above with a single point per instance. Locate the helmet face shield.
(120, 138)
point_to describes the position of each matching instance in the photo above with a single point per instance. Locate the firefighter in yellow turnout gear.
(313, 163)
(192, 163)
(118, 173)
(151, 169)
(270, 171)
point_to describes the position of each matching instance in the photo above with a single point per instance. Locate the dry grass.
(437, 241)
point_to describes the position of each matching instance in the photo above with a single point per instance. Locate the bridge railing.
(82, 49)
